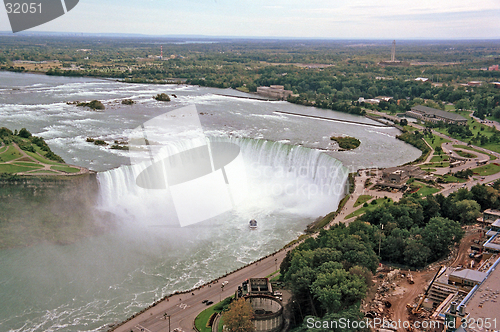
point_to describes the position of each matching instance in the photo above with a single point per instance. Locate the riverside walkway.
(183, 308)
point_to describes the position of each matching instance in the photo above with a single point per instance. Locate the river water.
(100, 280)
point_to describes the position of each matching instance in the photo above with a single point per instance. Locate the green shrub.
(162, 97)
(24, 133)
(346, 143)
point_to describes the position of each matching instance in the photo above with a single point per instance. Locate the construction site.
(462, 288)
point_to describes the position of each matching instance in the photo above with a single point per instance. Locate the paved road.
(184, 308)
(454, 187)
(487, 122)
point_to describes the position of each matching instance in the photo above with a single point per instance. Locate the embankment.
(55, 209)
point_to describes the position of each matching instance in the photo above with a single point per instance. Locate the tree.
(338, 289)
(487, 197)
(462, 104)
(441, 233)
(467, 211)
(162, 97)
(416, 254)
(394, 245)
(431, 207)
(239, 317)
(24, 133)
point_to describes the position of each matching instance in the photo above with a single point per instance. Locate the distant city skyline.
(342, 19)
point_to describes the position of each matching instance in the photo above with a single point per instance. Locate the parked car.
(209, 303)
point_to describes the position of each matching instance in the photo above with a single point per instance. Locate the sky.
(331, 19)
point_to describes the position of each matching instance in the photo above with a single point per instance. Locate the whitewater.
(294, 174)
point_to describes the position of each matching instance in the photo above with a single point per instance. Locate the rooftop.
(493, 243)
(469, 275)
(492, 211)
(439, 113)
(484, 303)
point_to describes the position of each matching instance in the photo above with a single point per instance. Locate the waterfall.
(279, 178)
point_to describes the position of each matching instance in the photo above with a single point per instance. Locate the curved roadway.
(183, 308)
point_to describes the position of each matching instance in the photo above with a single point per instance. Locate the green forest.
(330, 275)
(325, 74)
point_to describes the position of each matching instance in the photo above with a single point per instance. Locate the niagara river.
(103, 279)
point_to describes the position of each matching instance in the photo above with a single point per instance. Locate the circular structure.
(268, 313)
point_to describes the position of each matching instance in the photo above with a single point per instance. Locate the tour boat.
(253, 224)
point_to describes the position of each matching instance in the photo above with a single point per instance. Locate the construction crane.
(417, 310)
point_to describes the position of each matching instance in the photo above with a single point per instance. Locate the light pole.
(276, 264)
(380, 239)
(165, 317)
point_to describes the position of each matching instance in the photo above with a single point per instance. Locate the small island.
(128, 102)
(162, 97)
(346, 142)
(94, 104)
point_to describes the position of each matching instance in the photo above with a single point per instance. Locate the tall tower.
(161, 52)
(393, 52)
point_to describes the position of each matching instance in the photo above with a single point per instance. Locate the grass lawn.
(362, 199)
(34, 165)
(42, 159)
(202, 319)
(10, 154)
(426, 190)
(442, 157)
(475, 127)
(466, 154)
(438, 164)
(45, 171)
(380, 201)
(66, 169)
(436, 141)
(11, 168)
(487, 169)
(270, 276)
(243, 89)
(465, 147)
(3, 149)
(492, 147)
(409, 128)
(452, 179)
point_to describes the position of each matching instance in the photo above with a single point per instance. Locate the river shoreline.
(293, 140)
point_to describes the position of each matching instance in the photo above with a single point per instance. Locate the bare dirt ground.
(403, 293)
(421, 279)
(462, 256)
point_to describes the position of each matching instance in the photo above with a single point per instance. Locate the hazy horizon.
(316, 19)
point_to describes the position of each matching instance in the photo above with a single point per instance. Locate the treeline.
(419, 231)
(326, 74)
(330, 275)
(415, 138)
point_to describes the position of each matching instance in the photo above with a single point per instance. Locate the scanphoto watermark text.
(377, 323)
